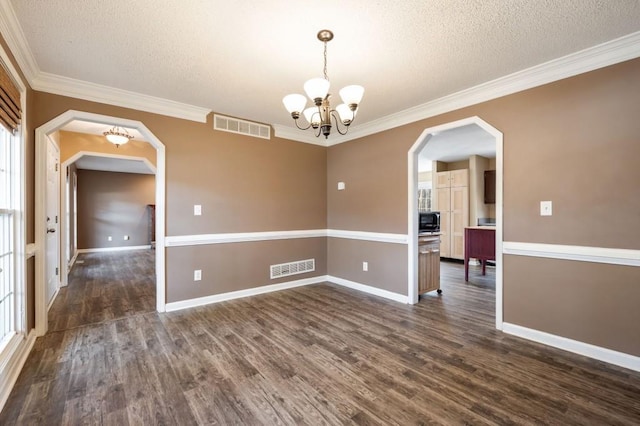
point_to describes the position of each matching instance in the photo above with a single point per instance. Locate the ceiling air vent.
(293, 268)
(243, 127)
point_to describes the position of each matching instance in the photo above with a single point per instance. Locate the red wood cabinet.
(480, 243)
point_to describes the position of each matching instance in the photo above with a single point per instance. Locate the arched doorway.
(412, 214)
(41, 140)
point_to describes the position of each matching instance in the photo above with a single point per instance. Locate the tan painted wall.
(70, 179)
(237, 266)
(385, 263)
(589, 302)
(113, 204)
(554, 137)
(71, 143)
(477, 208)
(243, 184)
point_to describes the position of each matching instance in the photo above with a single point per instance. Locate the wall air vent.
(243, 127)
(293, 268)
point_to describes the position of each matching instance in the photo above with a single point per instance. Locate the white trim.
(368, 236)
(412, 211)
(611, 256)
(11, 370)
(596, 352)
(72, 261)
(612, 52)
(216, 298)
(294, 134)
(240, 237)
(53, 298)
(64, 267)
(592, 58)
(107, 249)
(51, 83)
(59, 85)
(40, 214)
(12, 33)
(595, 57)
(396, 297)
(30, 251)
(78, 155)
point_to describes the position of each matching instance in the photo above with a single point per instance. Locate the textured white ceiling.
(80, 126)
(456, 145)
(240, 58)
(110, 164)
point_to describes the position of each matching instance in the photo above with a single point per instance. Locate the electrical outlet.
(365, 266)
(545, 208)
(197, 274)
(109, 238)
(126, 238)
(197, 210)
(341, 186)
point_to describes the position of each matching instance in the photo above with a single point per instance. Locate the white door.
(53, 221)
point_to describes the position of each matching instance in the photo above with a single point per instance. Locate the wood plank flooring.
(319, 354)
(105, 286)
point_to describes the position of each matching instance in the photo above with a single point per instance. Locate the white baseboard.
(53, 298)
(596, 352)
(11, 371)
(105, 249)
(215, 298)
(72, 261)
(397, 297)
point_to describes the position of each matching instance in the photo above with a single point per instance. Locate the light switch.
(341, 186)
(545, 208)
(197, 274)
(197, 210)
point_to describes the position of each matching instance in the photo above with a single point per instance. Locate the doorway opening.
(43, 262)
(427, 136)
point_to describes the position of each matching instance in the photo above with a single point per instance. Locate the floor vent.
(293, 268)
(243, 127)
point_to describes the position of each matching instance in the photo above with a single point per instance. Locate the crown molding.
(45, 82)
(295, 134)
(12, 33)
(602, 55)
(605, 54)
(58, 85)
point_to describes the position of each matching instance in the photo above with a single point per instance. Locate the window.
(12, 230)
(9, 211)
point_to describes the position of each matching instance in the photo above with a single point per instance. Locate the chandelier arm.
(301, 128)
(337, 120)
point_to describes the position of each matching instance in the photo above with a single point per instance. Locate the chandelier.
(321, 116)
(117, 136)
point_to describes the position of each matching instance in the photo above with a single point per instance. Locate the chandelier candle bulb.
(322, 117)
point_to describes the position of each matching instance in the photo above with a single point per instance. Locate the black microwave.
(429, 222)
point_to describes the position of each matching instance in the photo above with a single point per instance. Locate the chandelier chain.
(326, 77)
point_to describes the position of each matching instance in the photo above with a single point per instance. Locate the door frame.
(65, 224)
(58, 237)
(412, 159)
(41, 135)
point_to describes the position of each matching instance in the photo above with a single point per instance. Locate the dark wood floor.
(320, 354)
(105, 286)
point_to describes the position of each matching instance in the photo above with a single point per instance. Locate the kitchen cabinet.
(490, 187)
(428, 264)
(452, 200)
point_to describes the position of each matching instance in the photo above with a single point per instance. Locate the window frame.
(18, 209)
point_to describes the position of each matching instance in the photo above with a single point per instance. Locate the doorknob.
(51, 230)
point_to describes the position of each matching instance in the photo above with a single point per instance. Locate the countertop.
(480, 227)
